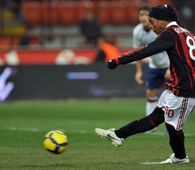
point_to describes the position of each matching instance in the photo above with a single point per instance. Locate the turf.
(23, 125)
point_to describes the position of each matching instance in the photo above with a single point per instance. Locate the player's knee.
(157, 116)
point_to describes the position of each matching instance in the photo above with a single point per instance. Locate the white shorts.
(177, 109)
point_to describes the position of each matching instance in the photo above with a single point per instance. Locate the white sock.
(151, 105)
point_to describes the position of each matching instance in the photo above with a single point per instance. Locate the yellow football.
(55, 141)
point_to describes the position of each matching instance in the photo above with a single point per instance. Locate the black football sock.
(176, 142)
(142, 125)
(137, 126)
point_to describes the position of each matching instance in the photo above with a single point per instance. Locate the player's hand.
(138, 78)
(112, 64)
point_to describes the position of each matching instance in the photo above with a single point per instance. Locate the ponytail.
(174, 16)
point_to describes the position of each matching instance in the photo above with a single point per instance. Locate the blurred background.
(51, 46)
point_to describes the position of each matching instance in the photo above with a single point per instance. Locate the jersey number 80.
(191, 44)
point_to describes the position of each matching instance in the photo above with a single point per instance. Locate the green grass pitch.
(23, 125)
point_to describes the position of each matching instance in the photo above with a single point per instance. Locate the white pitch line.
(151, 163)
(34, 129)
(22, 129)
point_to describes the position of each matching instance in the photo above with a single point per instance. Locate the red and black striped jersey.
(179, 44)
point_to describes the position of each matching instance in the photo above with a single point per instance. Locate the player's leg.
(152, 98)
(152, 92)
(142, 125)
(177, 111)
(176, 141)
(138, 126)
(155, 80)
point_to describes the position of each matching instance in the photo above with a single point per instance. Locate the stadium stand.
(49, 13)
(32, 13)
(51, 19)
(102, 11)
(119, 13)
(82, 7)
(67, 13)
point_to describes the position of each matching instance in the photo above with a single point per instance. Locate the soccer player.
(158, 63)
(177, 101)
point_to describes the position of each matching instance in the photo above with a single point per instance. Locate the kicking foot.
(109, 134)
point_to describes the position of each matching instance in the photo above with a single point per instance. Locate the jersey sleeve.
(163, 42)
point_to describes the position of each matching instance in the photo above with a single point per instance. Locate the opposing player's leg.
(152, 98)
(151, 102)
(155, 80)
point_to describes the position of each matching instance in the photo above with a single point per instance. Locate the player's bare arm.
(138, 75)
